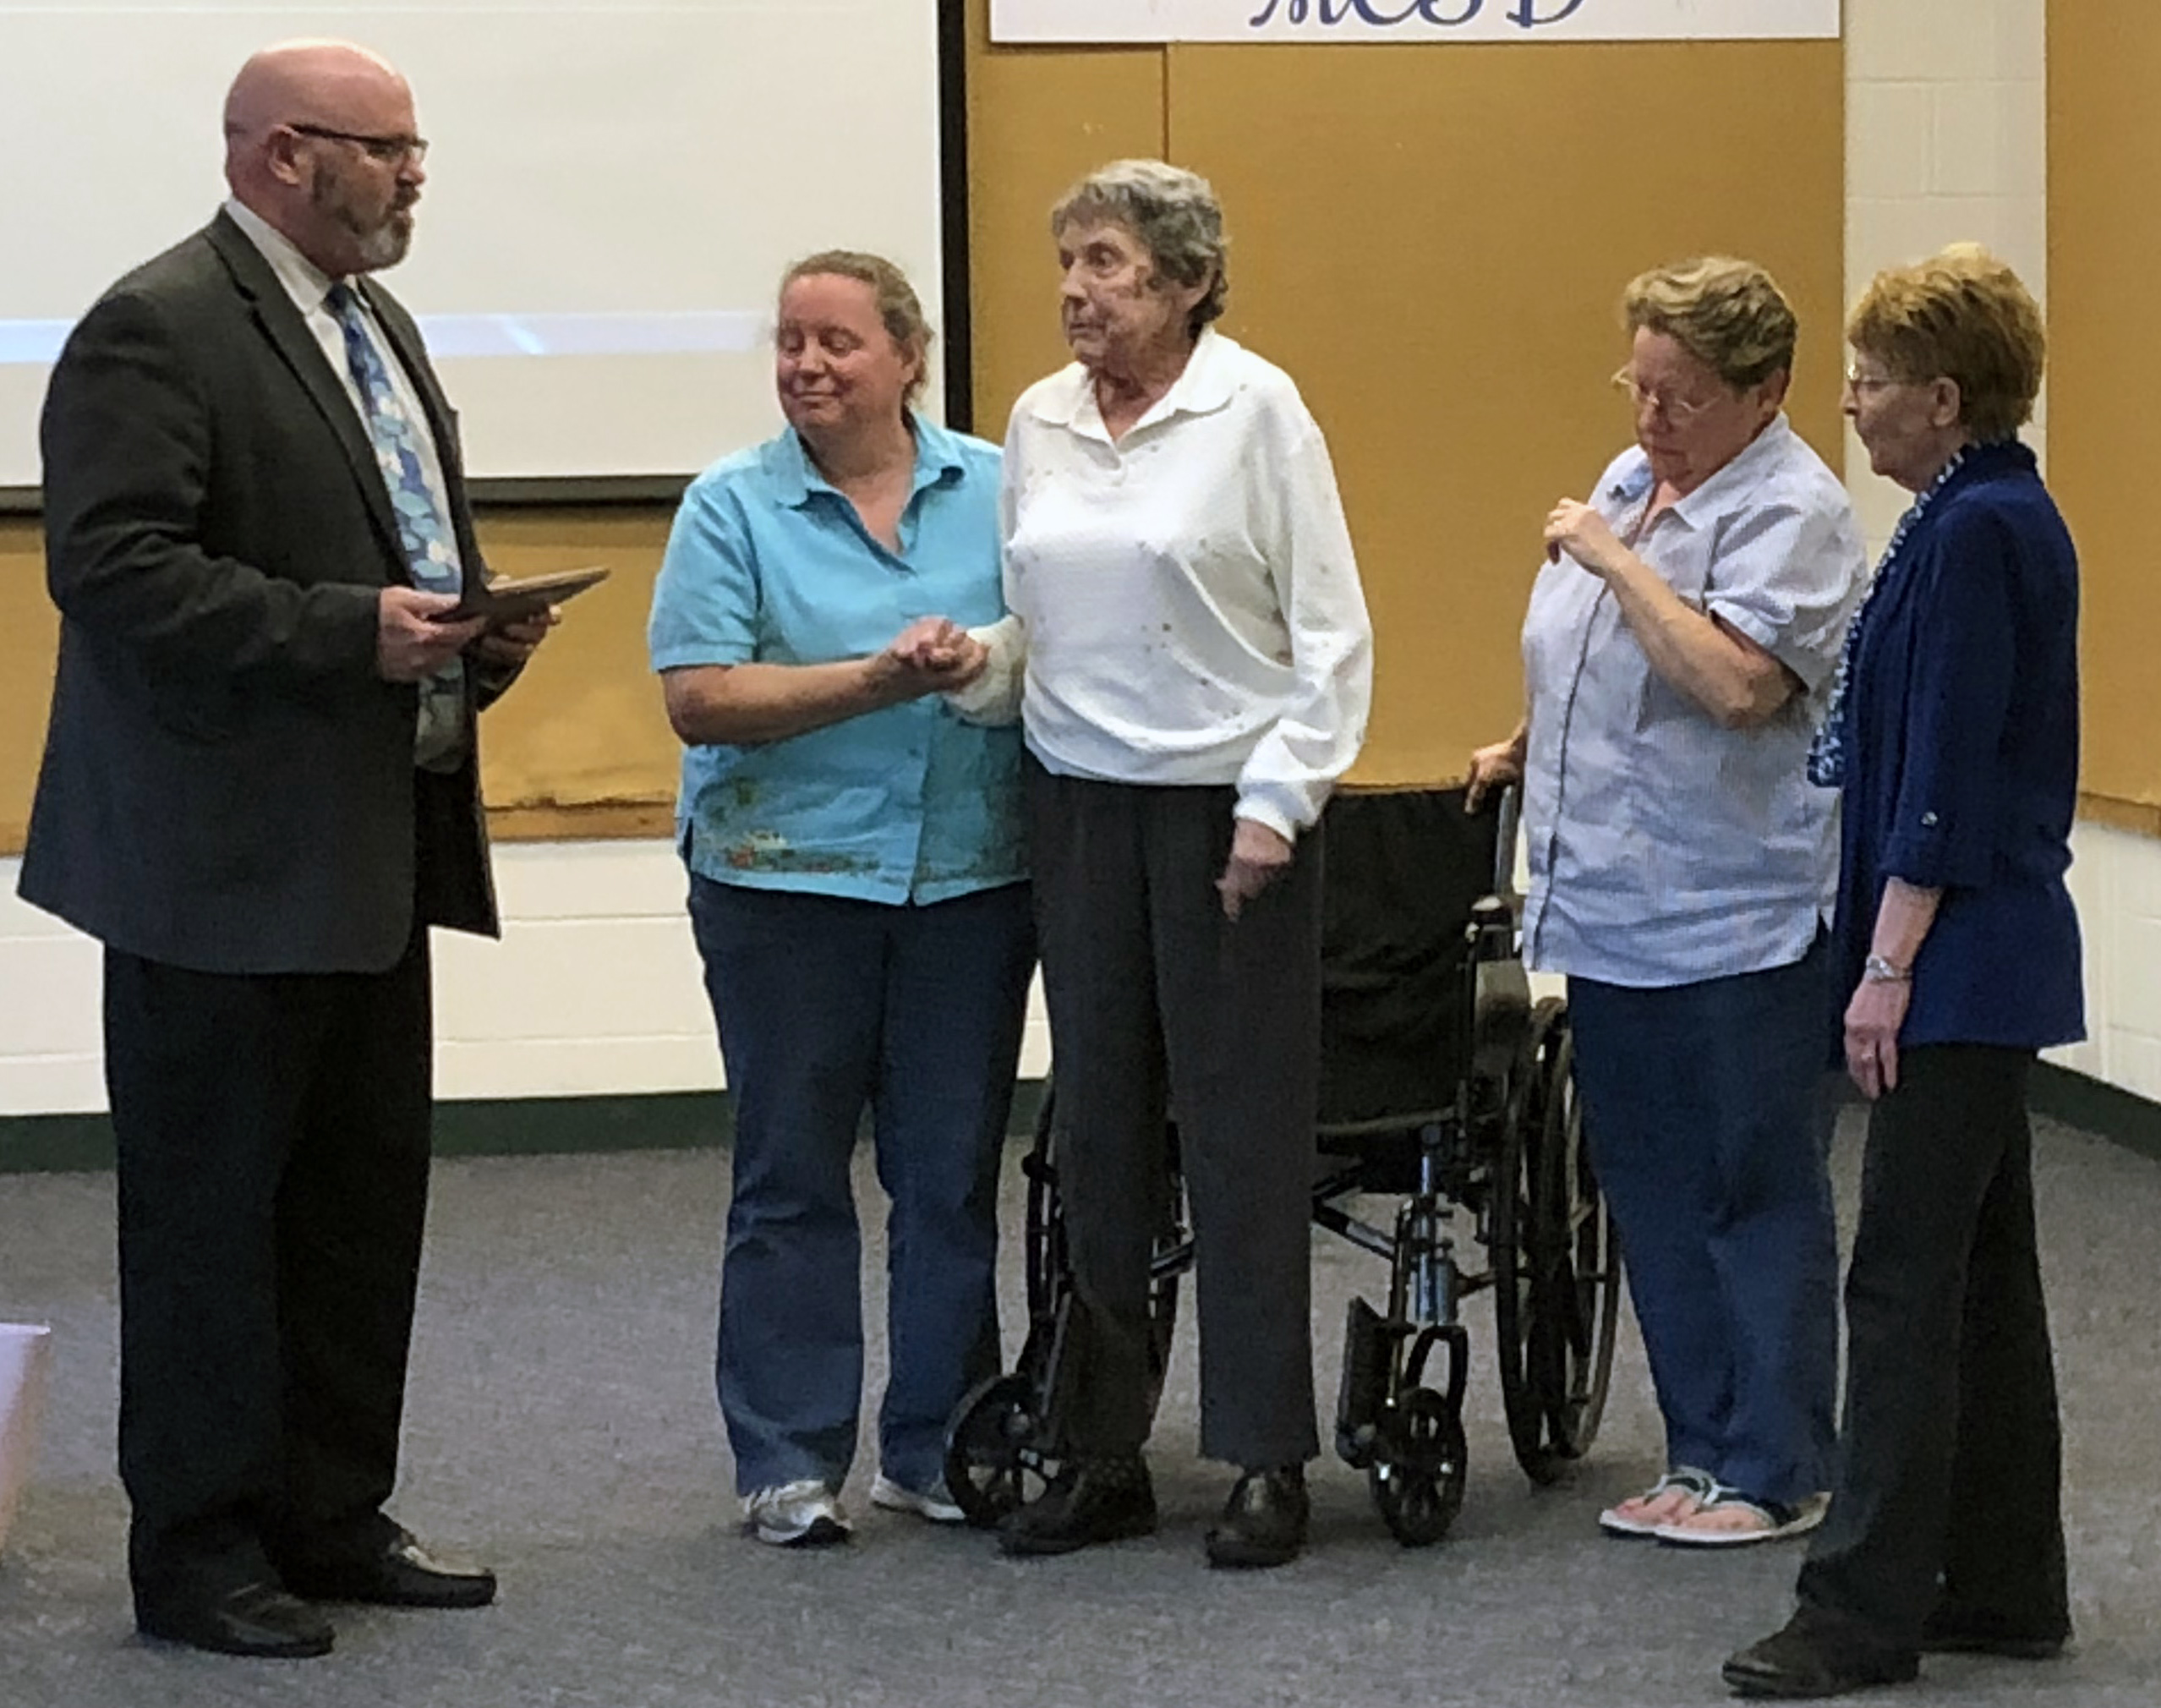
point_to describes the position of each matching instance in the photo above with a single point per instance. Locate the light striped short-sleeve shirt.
(1665, 849)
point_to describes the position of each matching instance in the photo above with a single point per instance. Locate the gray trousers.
(1157, 1000)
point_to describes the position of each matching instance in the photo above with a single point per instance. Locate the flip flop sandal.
(1699, 1483)
(1779, 1519)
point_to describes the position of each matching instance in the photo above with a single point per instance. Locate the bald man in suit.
(260, 789)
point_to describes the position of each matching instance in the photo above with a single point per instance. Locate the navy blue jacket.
(1961, 761)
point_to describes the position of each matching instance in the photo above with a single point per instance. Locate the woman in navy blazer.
(1953, 738)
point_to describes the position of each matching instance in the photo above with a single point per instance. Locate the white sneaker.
(935, 1502)
(801, 1514)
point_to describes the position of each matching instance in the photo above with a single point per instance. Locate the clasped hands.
(932, 656)
(412, 643)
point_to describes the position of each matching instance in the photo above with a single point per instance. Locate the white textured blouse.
(1186, 606)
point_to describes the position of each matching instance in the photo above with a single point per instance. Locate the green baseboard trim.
(54, 1144)
(685, 1120)
(489, 1127)
(2078, 1100)
(553, 1126)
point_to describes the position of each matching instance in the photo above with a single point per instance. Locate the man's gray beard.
(385, 246)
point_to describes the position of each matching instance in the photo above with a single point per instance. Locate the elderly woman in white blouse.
(1197, 673)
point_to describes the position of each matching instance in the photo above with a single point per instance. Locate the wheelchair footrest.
(1362, 1396)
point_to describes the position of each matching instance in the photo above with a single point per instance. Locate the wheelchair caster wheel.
(994, 1464)
(1417, 1477)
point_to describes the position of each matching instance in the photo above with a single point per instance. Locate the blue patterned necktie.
(422, 526)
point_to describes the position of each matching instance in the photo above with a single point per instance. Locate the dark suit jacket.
(228, 784)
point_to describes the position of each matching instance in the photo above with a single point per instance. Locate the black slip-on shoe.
(1800, 1661)
(1264, 1521)
(401, 1573)
(1962, 1631)
(262, 1620)
(1089, 1501)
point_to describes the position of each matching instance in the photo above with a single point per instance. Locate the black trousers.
(1948, 1487)
(273, 1140)
(1156, 999)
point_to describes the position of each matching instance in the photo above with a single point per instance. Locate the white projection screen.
(613, 189)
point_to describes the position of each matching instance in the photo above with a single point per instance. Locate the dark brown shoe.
(1963, 1631)
(260, 1620)
(1090, 1501)
(400, 1574)
(1808, 1659)
(1264, 1520)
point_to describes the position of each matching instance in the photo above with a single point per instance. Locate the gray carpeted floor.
(561, 1426)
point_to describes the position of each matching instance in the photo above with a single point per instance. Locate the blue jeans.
(1707, 1114)
(827, 1005)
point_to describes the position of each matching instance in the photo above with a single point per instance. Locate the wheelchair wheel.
(1048, 1267)
(1512, 1245)
(1555, 1264)
(1576, 1295)
(1043, 1260)
(994, 1461)
(1418, 1477)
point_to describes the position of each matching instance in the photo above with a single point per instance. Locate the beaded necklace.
(1827, 751)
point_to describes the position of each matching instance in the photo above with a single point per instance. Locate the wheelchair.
(1442, 1086)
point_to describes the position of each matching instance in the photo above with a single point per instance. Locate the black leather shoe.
(1264, 1520)
(1960, 1631)
(403, 1574)
(1807, 1660)
(1090, 1501)
(257, 1619)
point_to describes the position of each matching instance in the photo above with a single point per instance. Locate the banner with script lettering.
(1018, 21)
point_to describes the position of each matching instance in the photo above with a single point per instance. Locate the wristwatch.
(1876, 970)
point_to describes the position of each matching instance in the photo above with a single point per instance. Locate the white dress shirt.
(308, 285)
(1186, 606)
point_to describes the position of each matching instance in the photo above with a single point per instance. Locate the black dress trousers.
(1949, 1488)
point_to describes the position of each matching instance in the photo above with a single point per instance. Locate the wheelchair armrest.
(1492, 930)
(1501, 1003)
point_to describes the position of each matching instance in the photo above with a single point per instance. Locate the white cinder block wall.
(595, 986)
(1947, 139)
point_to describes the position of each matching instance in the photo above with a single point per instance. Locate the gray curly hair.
(1174, 213)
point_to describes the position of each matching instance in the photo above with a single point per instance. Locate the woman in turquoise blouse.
(857, 892)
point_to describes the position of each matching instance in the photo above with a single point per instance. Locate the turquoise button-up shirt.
(1665, 849)
(768, 563)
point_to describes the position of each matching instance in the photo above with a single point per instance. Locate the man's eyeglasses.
(1677, 410)
(1861, 385)
(385, 150)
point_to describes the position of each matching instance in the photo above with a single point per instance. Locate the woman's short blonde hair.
(1729, 314)
(1174, 213)
(1961, 314)
(898, 306)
